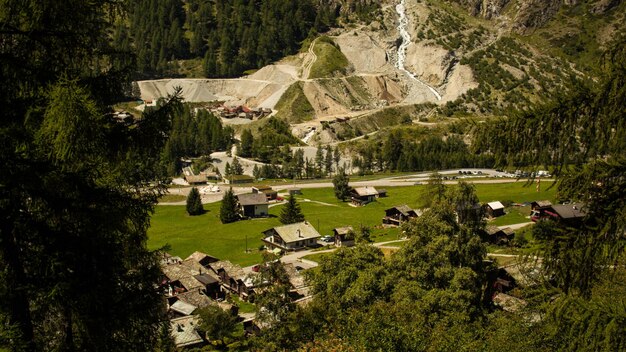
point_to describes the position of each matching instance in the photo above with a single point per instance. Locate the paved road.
(394, 181)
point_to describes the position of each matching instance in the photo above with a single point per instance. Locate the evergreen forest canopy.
(229, 36)
(77, 187)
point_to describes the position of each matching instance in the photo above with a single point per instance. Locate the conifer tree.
(229, 212)
(194, 202)
(247, 140)
(236, 168)
(341, 185)
(291, 212)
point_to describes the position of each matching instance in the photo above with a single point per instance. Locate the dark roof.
(252, 199)
(206, 279)
(263, 188)
(404, 209)
(570, 211)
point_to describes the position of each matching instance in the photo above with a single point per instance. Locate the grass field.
(185, 234)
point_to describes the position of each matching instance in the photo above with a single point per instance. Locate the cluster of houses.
(201, 280)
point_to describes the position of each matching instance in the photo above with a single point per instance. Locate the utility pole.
(246, 243)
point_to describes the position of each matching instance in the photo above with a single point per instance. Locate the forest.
(228, 36)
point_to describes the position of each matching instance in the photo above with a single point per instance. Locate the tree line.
(400, 152)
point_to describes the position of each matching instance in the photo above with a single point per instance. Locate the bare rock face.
(535, 13)
(484, 8)
(603, 6)
(429, 63)
(362, 52)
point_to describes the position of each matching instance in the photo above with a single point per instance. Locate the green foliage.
(194, 135)
(194, 202)
(272, 134)
(294, 106)
(216, 323)
(291, 212)
(341, 186)
(77, 187)
(331, 62)
(229, 212)
(236, 168)
(247, 142)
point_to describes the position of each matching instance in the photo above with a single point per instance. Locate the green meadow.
(184, 234)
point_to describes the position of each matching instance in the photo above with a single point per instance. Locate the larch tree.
(77, 187)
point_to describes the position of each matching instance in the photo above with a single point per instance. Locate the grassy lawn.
(185, 234)
(244, 307)
(172, 198)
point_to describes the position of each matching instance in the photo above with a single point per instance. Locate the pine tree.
(236, 168)
(291, 212)
(247, 140)
(340, 184)
(194, 202)
(229, 212)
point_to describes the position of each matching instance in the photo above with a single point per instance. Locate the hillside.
(469, 58)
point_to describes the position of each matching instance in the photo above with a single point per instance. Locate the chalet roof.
(404, 209)
(525, 274)
(295, 277)
(492, 230)
(508, 231)
(184, 331)
(185, 272)
(239, 177)
(196, 179)
(543, 203)
(202, 258)
(570, 211)
(343, 230)
(232, 270)
(381, 191)
(206, 279)
(295, 232)
(196, 298)
(495, 205)
(183, 307)
(366, 191)
(252, 199)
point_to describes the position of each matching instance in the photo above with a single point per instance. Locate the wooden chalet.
(189, 275)
(253, 205)
(233, 278)
(196, 179)
(344, 236)
(538, 208)
(567, 214)
(267, 190)
(499, 236)
(362, 195)
(494, 209)
(291, 237)
(397, 215)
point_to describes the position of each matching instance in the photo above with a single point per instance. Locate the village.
(201, 280)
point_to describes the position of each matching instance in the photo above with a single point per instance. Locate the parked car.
(327, 239)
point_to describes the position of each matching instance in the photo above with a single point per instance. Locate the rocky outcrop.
(533, 14)
(603, 6)
(429, 63)
(484, 8)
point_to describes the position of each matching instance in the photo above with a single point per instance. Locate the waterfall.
(406, 40)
